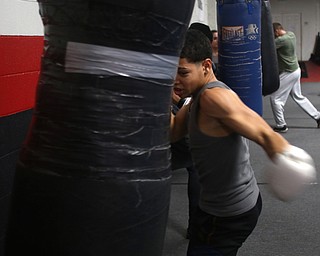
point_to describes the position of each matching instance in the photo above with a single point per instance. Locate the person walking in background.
(290, 74)
(215, 53)
(214, 45)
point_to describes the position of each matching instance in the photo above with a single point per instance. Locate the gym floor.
(284, 228)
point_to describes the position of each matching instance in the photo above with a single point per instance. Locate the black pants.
(221, 236)
(181, 158)
(193, 193)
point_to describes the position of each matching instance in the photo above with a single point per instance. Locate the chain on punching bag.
(239, 24)
(93, 176)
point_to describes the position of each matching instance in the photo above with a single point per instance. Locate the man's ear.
(207, 65)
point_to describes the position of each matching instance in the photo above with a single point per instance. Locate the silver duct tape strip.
(102, 60)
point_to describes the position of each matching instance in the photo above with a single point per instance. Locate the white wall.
(20, 17)
(205, 12)
(310, 23)
(212, 14)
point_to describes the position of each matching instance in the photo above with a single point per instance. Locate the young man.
(215, 51)
(290, 74)
(214, 45)
(219, 124)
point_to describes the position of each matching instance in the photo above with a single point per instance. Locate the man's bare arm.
(226, 106)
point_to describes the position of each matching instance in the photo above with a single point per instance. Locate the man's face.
(190, 76)
(215, 40)
(276, 33)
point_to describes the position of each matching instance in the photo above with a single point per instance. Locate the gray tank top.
(228, 184)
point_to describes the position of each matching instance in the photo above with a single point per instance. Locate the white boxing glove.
(289, 172)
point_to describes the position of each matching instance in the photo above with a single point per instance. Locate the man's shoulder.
(284, 39)
(215, 96)
(216, 84)
(291, 34)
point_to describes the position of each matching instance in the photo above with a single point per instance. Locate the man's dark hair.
(197, 47)
(205, 29)
(276, 25)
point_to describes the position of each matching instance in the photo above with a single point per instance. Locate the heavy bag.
(269, 60)
(239, 24)
(93, 176)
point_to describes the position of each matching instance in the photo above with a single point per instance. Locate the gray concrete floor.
(284, 229)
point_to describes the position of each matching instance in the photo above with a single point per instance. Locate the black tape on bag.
(93, 177)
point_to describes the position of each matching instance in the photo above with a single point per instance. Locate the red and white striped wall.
(21, 43)
(21, 40)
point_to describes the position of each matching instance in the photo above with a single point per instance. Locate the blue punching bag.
(239, 23)
(93, 177)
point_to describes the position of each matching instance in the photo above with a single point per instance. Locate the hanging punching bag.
(93, 176)
(239, 49)
(270, 70)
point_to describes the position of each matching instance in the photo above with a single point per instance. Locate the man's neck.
(215, 51)
(211, 78)
(283, 32)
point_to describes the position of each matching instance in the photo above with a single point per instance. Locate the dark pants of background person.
(221, 236)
